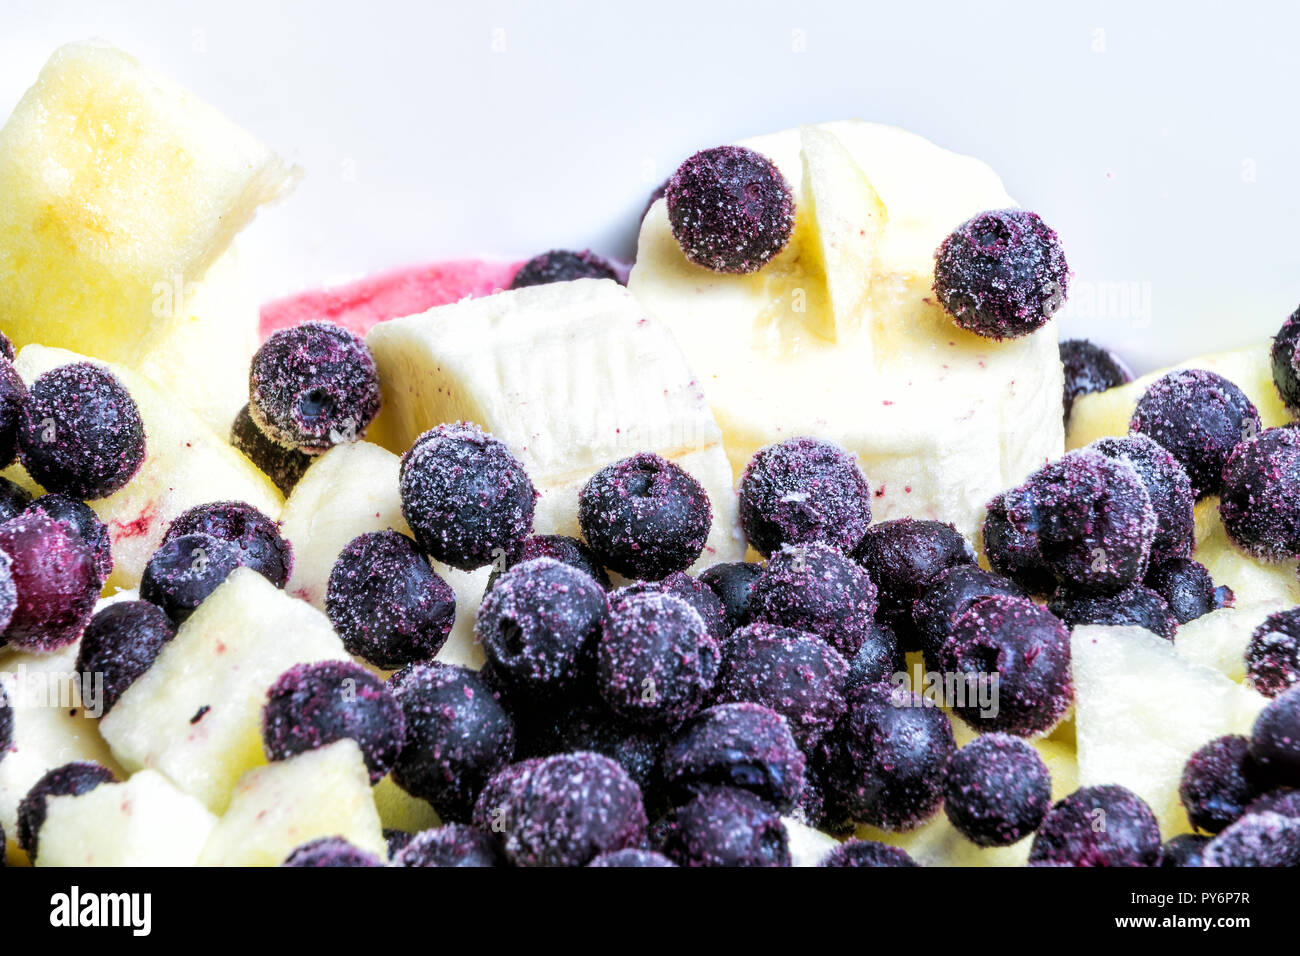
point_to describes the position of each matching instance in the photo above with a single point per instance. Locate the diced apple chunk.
(808, 845)
(1252, 581)
(398, 810)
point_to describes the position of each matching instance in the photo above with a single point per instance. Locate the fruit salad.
(801, 540)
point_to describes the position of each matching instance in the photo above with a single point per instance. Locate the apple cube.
(1252, 581)
(808, 845)
(398, 810)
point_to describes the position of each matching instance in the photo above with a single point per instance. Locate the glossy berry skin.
(313, 705)
(1187, 589)
(815, 588)
(330, 852)
(1001, 274)
(1199, 416)
(457, 736)
(1273, 654)
(1184, 850)
(878, 659)
(466, 498)
(1286, 374)
(561, 265)
(1090, 368)
(1260, 499)
(77, 516)
(13, 396)
(1106, 825)
(1257, 839)
(804, 490)
(451, 845)
(185, 570)
(632, 858)
(121, 642)
(1012, 549)
(81, 433)
(867, 853)
(1275, 740)
(385, 601)
(1135, 605)
(885, 761)
(998, 790)
(730, 209)
(55, 579)
(1219, 781)
(645, 517)
(1168, 487)
(694, 592)
(261, 546)
(14, 499)
(733, 583)
(948, 598)
(571, 551)
(284, 466)
(69, 780)
(726, 827)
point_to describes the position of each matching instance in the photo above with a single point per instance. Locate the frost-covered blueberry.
(1106, 825)
(1001, 274)
(69, 780)
(884, 762)
(466, 498)
(632, 858)
(725, 826)
(1275, 739)
(868, 853)
(998, 790)
(1187, 588)
(332, 851)
(1167, 486)
(691, 590)
(8, 600)
(1286, 371)
(396, 840)
(453, 844)
(312, 705)
(1257, 839)
(903, 557)
(566, 550)
(14, 499)
(313, 386)
(6, 723)
(500, 793)
(733, 583)
(878, 659)
(55, 579)
(949, 596)
(1027, 648)
(185, 570)
(1283, 800)
(1273, 654)
(120, 643)
(385, 601)
(77, 516)
(1012, 550)
(13, 396)
(81, 433)
(7, 349)
(1186, 849)
(1200, 417)
(1260, 499)
(562, 265)
(814, 587)
(730, 209)
(645, 517)
(1090, 368)
(574, 726)
(261, 546)
(284, 466)
(1135, 605)
(803, 490)
(1219, 781)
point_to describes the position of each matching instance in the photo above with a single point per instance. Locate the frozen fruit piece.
(466, 498)
(1187, 589)
(1283, 800)
(261, 546)
(632, 858)
(1167, 486)
(1282, 356)
(1012, 549)
(312, 705)
(561, 265)
(454, 844)
(70, 779)
(120, 643)
(330, 852)
(78, 516)
(948, 598)
(1136, 605)
(813, 587)
(1098, 826)
(1273, 655)
(6, 723)
(185, 570)
(284, 466)
(8, 602)
(13, 396)
(56, 581)
(1260, 500)
(1001, 274)
(491, 808)
(1275, 739)
(730, 208)
(726, 827)
(1186, 849)
(566, 550)
(998, 790)
(575, 725)
(1090, 368)
(81, 432)
(7, 347)
(681, 585)
(1200, 416)
(1257, 839)
(867, 853)
(395, 838)
(878, 659)
(13, 499)
(1219, 782)
(733, 583)
(803, 490)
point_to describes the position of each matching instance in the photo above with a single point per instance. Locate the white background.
(1161, 140)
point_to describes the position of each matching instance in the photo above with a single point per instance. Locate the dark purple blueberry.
(185, 570)
(573, 726)
(691, 590)
(733, 583)
(261, 546)
(1219, 781)
(77, 516)
(1200, 417)
(540, 624)
(878, 659)
(1275, 739)
(813, 587)
(730, 209)
(1286, 374)
(14, 499)
(867, 853)
(884, 762)
(1257, 839)
(1027, 648)
(632, 858)
(6, 724)
(1186, 849)
(1273, 655)
(453, 844)
(13, 395)
(793, 673)
(312, 705)
(1106, 825)
(1013, 552)
(566, 550)
(121, 642)
(1260, 498)
(645, 517)
(561, 265)
(998, 790)
(457, 736)
(56, 582)
(396, 840)
(1187, 589)
(81, 433)
(7, 346)
(466, 498)
(948, 598)
(330, 851)
(1283, 800)
(69, 780)
(726, 827)
(1167, 486)
(499, 793)
(804, 490)
(284, 466)
(387, 604)
(1090, 368)
(655, 659)
(1001, 274)
(8, 598)
(1136, 605)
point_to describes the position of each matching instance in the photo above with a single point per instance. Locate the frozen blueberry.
(121, 642)
(878, 659)
(1186, 849)
(13, 396)
(312, 705)
(457, 736)
(726, 827)
(69, 780)
(1200, 417)
(794, 673)
(691, 590)
(453, 844)
(185, 570)
(1012, 550)
(1283, 800)
(1135, 605)
(7, 347)
(998, 790)
(1273, 655)
(1286, 373)
(632, 858)
(6, 723)
(77, 516)
(14, 499)
(330, 852)
(1275, 739)
(566, 550)
(1001, 274)
(1106, 825)
(1090, 368)
(948, 598)
(870, 853)
(396, 840)
(386, 602)
(813, 587)
(733, 583)
(499, 794)
(55, 578)
(284, 466)
(581, 726)
(561, 265)
(1260, 498)
(884, 762)
(465, 496)
(730, 209)
(1187, 588)
(1167, 486)
(8, 598)
(645, 517)
(1219, 781)
(1257, 839)
(261, 546)
(803, 490)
